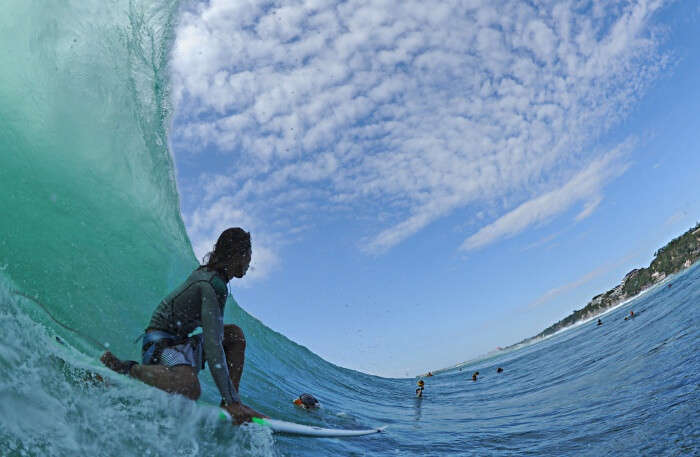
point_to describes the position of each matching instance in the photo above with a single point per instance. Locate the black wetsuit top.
(199, 302)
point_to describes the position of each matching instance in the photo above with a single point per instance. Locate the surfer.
(171, 359)
(307, 401)
(500, 370)
(421, 386)
(600, 322)
(475, 376)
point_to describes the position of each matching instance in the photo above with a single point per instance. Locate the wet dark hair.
(231, 243)
(308, 400)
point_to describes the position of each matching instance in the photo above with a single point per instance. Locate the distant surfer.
(171, 359)
(429, 374)
(421, 386)
(500, 370)
(475, 376)
(600, 322)
(631, 316)
(307, 401)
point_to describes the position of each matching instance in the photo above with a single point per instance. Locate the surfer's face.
(240, 264)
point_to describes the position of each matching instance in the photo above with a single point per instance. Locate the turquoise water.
(91, 227)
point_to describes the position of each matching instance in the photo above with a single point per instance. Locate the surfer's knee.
(233, 335)
(187, 383)
(193, 391)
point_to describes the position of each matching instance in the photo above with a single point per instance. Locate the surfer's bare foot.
(113, 363)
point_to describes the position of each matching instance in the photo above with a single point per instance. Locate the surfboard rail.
(292, 428)
(279, 426)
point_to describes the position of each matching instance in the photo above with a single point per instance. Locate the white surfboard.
(291, 428)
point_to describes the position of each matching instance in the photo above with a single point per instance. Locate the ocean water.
(90, 226)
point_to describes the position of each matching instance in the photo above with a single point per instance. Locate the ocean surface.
(90, 227)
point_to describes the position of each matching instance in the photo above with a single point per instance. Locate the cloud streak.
(418, 107)
(586, 186)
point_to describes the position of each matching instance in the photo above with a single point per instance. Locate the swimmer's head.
(307, 401)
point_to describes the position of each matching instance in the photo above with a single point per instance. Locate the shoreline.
(678, 255)
(588, 319)
(535, 339)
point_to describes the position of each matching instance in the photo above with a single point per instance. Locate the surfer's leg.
(234, 348)
(112, 362)
(180, 379)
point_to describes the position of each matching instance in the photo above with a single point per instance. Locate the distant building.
(658, 275)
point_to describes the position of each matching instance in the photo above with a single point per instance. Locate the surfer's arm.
(213, 330)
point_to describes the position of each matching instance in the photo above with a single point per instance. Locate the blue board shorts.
(189, 352)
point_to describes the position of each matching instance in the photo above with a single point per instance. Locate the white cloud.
(553, 293)
(418, 107)
(585, 186)
(557, 291)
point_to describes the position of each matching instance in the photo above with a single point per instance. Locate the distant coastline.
(679, 254)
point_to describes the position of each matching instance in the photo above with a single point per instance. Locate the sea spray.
(55, 400)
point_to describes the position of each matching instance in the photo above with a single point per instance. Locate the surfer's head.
(307, 401)
(421, 383)
(231, 254)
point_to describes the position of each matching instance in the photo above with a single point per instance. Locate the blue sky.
(426, 181)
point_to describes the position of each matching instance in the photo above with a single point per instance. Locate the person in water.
(307, 401)
(421, 386)
(475, 376)
(600, 322)
(500, 370)
(171, 359)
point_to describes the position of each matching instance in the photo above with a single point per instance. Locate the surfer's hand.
(241, 413)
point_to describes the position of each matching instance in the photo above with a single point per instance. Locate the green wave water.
(91, 228)
(91, 220)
